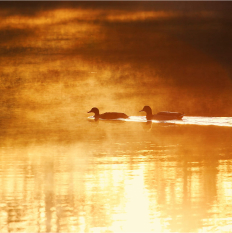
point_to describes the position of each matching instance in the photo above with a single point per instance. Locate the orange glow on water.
(165, 183)
(47, 18)
(61, 171)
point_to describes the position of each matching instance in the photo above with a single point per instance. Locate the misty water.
(62, 171)
(116, 176)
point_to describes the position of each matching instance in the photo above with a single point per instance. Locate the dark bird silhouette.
(107, 115)
(161, 115)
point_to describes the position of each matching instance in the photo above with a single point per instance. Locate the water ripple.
(190, 120)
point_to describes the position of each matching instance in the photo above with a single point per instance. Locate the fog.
(58, 59)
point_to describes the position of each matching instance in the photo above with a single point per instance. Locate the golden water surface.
(60, 171)
(116, 177)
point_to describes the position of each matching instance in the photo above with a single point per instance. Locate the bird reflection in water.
(147, 126)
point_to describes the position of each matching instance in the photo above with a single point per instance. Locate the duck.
(161, 115)
(107, 115)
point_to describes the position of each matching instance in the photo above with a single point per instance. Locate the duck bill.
(89, 111)
(141, 110)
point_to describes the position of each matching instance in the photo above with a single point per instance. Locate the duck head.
(94, 110)
(148, 111)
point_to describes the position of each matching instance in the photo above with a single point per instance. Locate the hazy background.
(61, 172)
(60, 59)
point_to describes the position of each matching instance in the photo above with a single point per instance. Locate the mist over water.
(62, 171)
(53, 58)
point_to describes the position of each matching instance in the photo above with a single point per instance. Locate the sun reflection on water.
(117, 185)
(62, 171)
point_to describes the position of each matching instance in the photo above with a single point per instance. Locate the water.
(118, 176)
(187, 120)
(62, 171)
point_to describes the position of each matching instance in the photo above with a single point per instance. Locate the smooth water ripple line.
(217, 121)
(190, 120)
(187, 120)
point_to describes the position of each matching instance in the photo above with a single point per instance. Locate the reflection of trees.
(79, 197)
(83, 185)
(48, 192)
(47, 188)
(16, 182)
(182, 179)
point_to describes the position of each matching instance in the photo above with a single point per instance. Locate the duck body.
(162, 115)
(168, 116)
(112, 115)
(108, 115)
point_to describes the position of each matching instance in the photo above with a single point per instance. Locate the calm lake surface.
(62, 171)
(117, 176)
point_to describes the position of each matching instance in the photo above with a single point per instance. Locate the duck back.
(168, 115)
(113, 115)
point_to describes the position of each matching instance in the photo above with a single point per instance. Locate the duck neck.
(149, 114)
(97, 115)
